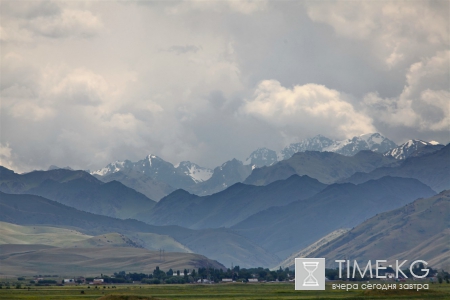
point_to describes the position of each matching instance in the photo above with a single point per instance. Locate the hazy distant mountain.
(418, 230)
(261, 157)
(370, 141)
(413, 148)
(166, 177)
(53, 167)
(11, 182)
(146, 185)
(223, 245)
(327, 167)
(197, 173)
(230, 206)
(289, 228)
(80, 190)
(226, 175)
(432, 169)
(317, 143)
(154, 167)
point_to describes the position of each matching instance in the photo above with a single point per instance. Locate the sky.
(84, 84)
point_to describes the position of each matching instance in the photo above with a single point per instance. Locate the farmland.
(213, 291)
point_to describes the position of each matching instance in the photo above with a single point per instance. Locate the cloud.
(87, 83)
(424, 101)
(69, 23)
(245, 7)
(24, 21)
(311, 107)
(6, 157)
(184, 49)
(397, 30)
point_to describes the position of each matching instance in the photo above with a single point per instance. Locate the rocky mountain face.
(413, 148)
(155, 167)
(261, 157)
(371, 141)
(156, 177)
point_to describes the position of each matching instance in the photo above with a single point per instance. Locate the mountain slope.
(327, 167)
(148, 186)
(413, 148)
(223, 245)
(418, 230)
(286, 229)
(305, 252)
(80, 190)
(370, 141)
(226, 175)
(433, 169)
(39, 259)
(230, 206)
(261, 157)
(154, 167)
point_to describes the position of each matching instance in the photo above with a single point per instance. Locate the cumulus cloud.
(424, 101)
(312, 108)
(397, 30)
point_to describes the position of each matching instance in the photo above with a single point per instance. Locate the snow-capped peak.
(409, 147)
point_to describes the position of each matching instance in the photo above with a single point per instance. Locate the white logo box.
(310, 274)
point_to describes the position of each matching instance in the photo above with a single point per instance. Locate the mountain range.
(156, 178)
(78, 189)
(327, 167)
(283, 230)
(432, 168)
(222, 245)
(248, 214)
(229, 207)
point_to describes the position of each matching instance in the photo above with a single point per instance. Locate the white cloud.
(6, 157)
(310, 107)
(396, 29)
(424, 101)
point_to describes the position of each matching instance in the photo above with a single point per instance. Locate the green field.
(215, 291)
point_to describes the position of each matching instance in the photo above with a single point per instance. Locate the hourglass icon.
(310, 280)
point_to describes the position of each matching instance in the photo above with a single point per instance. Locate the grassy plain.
(242, 291)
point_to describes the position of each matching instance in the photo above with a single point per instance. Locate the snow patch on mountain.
(110, 168)
(370, 141)
(408, 148)
(197, 173)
